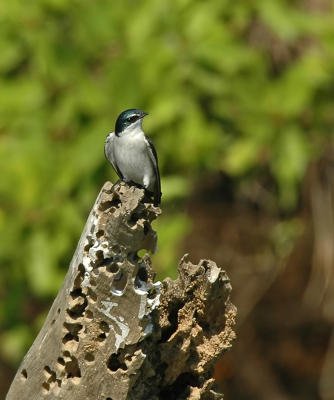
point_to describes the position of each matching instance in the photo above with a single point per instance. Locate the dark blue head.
(128, 117)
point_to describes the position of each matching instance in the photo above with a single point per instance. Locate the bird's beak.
(143, 114)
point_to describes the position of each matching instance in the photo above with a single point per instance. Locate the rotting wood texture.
(113, 333)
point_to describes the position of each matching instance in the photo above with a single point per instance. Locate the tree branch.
(112, 333)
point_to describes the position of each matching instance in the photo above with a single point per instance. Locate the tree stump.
(113, 333)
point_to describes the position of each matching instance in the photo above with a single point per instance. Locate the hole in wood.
(69, 337)
(114, 363)
(99, 233)
(80, 276)
(47, 370)
(76, 293)
(113, 268)
(24, 374)
(61, 361)
(73, 328)
(102, 337)
(119, 283)
(99, 255)
(104, 326)
(133, 219)
(111, 203)
(173, 319)
(52, 377)
(88, 245)
(78, 309)
(89, 357)
(136, 216)
(72, 368)
(141, 279)
(45, 387)
(105, 261)
(142, 274)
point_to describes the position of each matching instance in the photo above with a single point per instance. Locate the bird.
(132, 154)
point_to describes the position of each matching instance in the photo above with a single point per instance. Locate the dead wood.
(113, 333)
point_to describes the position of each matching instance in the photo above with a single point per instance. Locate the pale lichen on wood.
(114, 333)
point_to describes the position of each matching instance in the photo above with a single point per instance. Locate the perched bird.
(132, 153)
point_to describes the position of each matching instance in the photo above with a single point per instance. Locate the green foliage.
(220, 97)
(172, 229)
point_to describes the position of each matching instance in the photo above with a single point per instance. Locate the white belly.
(132, 158)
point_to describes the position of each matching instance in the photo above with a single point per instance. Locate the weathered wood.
(112, 333)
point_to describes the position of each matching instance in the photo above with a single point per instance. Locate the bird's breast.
(132, 158)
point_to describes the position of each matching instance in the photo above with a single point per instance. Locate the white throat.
(134, 129)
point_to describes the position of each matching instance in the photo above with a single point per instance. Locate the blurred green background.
(241, 103)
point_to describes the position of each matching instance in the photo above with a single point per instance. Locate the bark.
(113, 333)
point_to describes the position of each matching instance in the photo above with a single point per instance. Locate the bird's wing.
(109, 152)
(154, 159)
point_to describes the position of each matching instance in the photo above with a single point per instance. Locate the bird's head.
(131, 118)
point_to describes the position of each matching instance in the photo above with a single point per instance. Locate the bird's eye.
(133, 118)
